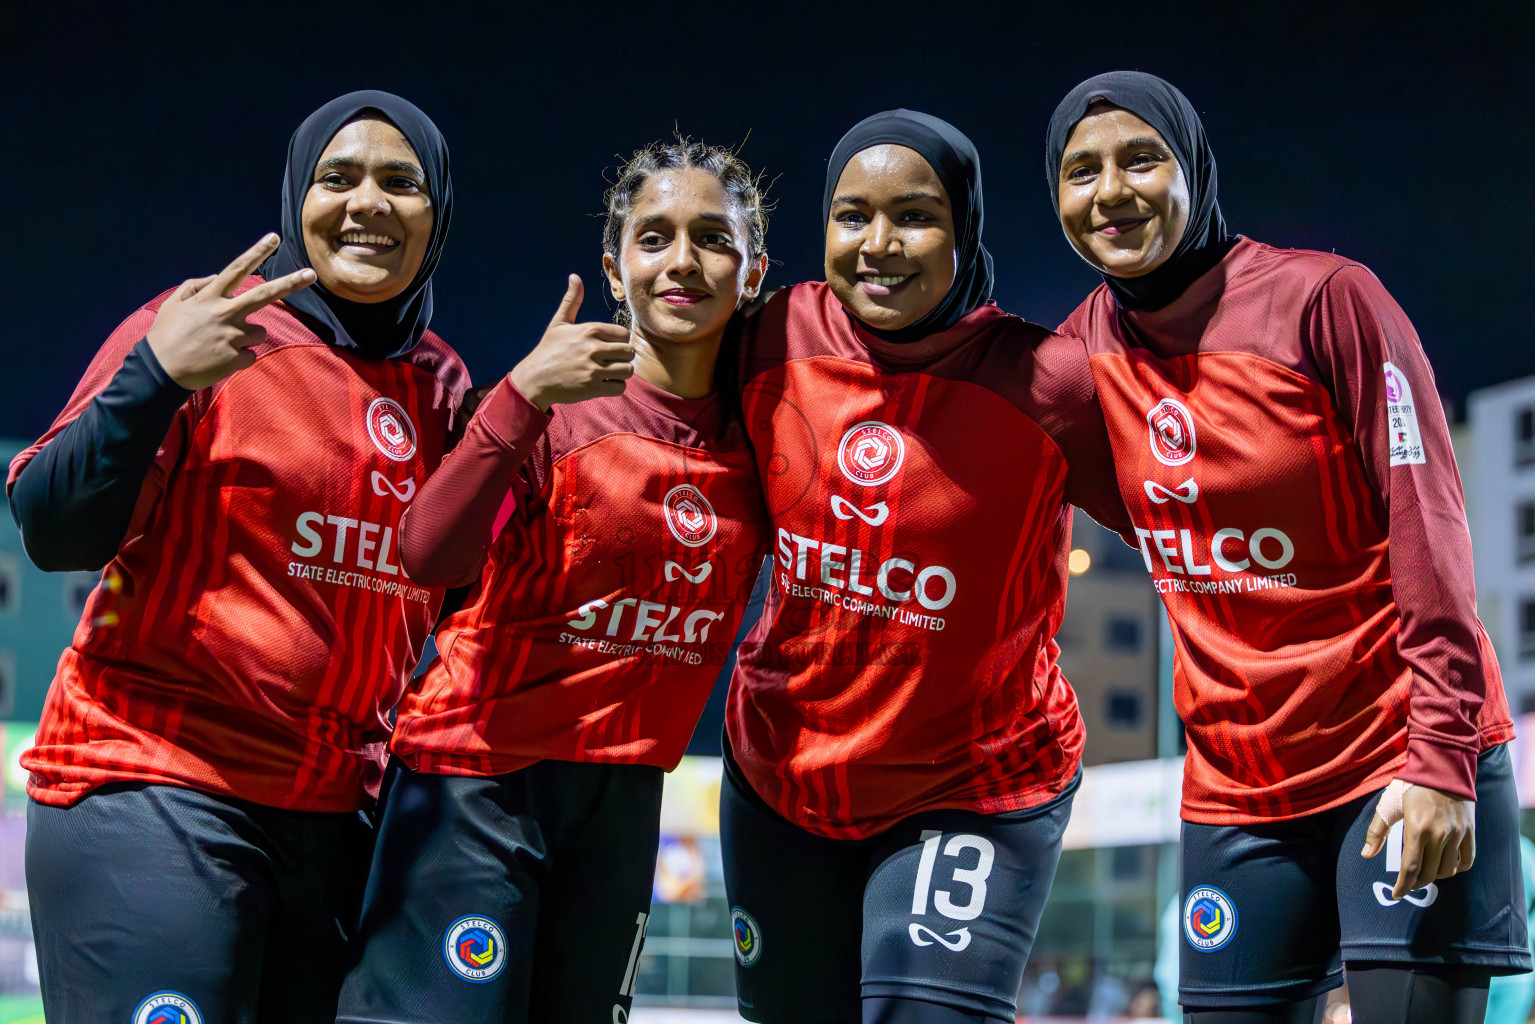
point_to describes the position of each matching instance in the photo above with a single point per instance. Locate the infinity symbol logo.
(874, 515)
(1429, 893)
(1187, 492)
(673, 570)
(382, 486)
(961, 937)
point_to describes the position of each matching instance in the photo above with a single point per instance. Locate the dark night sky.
(143, 148)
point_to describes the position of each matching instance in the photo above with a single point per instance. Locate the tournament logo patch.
(167, 1008)
(747, 937)
(1171, 427)
(871, 453)
(1209, 918)
(689, 515)
(475, 948)
(1402, 420)
(390, 429)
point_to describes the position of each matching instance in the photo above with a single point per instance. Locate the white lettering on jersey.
(651, 620)
(372, 550)
(1270, 548)
(1406, 444)
(895, 579)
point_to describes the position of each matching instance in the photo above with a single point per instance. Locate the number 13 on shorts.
(944, 900)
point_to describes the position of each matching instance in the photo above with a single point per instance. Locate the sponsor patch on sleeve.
(1402, 420)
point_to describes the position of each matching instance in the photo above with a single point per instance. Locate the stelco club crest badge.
(746, 936)
(390, 429)
(689, 515)
(1171, 426)
(475, 948)
(167, 1008)
(1209, 918)
(871, 453)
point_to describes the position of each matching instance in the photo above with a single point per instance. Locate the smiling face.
(367, 217)
(683, 262)
(890, 244)
(1124, 199)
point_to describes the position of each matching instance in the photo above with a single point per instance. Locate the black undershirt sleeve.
(73, 502)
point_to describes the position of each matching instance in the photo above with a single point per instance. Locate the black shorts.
(154, 902)
(509, 898)
(1272, 911)
(942, 907)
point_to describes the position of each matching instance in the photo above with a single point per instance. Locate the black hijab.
(958, 166)
(378, 329)
(1205, 241)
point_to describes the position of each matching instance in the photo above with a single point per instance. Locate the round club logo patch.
(167, 1008)
(747, 936)
(871, 453)
(1209, 918)
(391, 429)
(475, 947)
(1171, 426)
(689, 515)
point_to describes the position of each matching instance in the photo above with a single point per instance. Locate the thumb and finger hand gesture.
(575, 361)
(200, 335)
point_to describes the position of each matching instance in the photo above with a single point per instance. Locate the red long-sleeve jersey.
(918, 494)
(1281, 448)
(614, 546)
(255, 626)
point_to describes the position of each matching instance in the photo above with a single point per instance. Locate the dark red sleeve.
(1078, 427)
(1371, 360)
(447, 530)
(106, 457)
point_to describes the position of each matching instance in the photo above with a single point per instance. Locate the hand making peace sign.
(200, 335)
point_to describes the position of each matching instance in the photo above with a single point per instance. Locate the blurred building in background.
(38, 612)
(1109, 644)
(1497, 463)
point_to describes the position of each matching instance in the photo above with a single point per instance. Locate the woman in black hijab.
(238, 456)
(901, 747)
(953, 159)
(1293, 491)
(382, 328)
(1205, 240)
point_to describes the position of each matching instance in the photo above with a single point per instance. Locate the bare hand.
(1438, 837)
(200, 335)
(574, 362)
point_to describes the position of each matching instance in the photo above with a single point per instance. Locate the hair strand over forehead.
(741, 185)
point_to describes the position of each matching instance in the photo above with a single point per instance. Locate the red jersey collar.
(913, 355)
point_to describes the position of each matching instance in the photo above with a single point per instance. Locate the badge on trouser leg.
(475, 948)
(747, 936)
(1209, 918)
(167, 1008)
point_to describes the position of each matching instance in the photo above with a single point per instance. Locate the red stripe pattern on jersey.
(255, 626)
(607, 605)
(1288, 544)
(904, 660)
